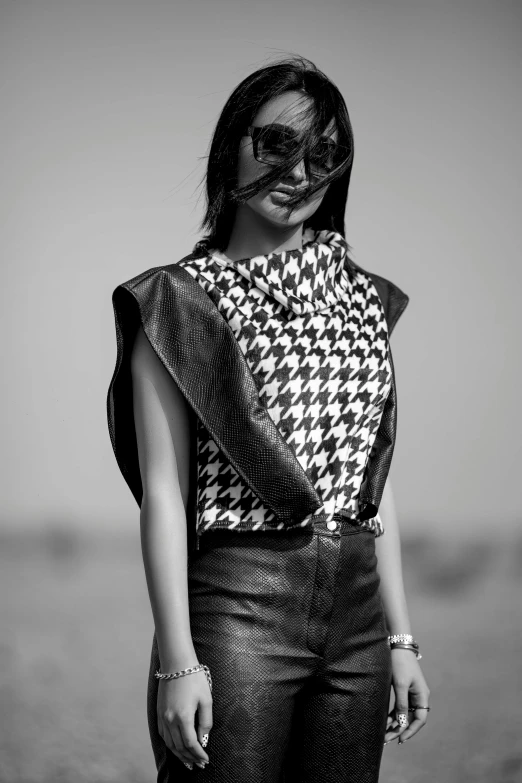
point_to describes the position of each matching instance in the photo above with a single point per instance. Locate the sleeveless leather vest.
(199, 350)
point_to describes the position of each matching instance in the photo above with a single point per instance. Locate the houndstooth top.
(314, 334)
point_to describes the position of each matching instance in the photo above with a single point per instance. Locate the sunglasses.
(274, 143)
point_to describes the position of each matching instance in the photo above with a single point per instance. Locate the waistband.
(334, 528)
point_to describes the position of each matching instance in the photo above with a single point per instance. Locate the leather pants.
(292, 627)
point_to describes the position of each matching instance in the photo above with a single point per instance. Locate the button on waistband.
(331, 525)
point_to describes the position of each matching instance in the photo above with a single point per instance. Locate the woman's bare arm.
(388, 550)
(163, 435)
(162, 431)
(408, 680)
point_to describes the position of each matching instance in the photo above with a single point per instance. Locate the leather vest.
(198, 349)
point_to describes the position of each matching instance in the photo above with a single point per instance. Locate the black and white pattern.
(314, 334)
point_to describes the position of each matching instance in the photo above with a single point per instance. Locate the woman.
(252, 412)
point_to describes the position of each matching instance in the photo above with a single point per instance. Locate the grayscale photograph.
(261, 450)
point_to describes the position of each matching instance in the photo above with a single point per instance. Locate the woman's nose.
(298, 173)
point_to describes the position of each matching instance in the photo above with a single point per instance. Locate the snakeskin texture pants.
(292, 627)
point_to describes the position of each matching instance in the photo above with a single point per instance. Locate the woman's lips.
(284, 195)
(278, 195)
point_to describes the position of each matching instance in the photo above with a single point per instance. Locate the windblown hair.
(222, 194)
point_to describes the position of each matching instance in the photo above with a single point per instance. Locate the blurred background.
(108, 111)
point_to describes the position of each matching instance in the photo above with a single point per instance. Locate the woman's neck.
(251, 236)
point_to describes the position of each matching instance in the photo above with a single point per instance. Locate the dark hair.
(222, 195)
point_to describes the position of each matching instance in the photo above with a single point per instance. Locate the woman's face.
(285, 109)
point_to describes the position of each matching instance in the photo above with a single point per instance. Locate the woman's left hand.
(410, 689)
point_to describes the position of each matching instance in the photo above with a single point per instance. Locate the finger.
(166, 736)
(204, 723)
(391, 727)
(401, 709)
(415, 726)
(191, 743)
(179, 747)
(391, 734)
(167, 739)
(418, 694)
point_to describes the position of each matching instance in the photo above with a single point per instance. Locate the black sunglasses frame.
(256, 131)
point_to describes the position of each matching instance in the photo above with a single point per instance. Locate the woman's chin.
(278, 213)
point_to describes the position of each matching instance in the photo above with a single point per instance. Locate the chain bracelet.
(190, 670)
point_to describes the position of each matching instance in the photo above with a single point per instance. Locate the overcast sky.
(108, 110)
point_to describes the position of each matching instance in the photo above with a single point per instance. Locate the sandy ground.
(75, 645)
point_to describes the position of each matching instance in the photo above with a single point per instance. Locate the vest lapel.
(199, 350)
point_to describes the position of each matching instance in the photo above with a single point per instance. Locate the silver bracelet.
(401, 646)
(402, 637)
(191, 670)
(404, 641)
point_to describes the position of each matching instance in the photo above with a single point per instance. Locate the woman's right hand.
(178, 702)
